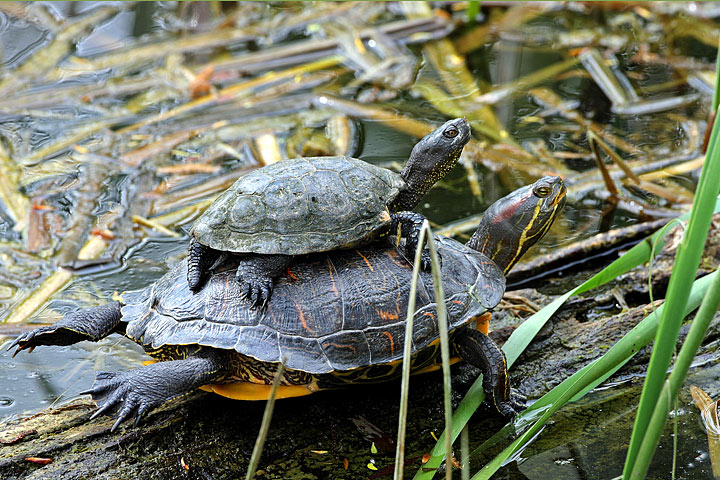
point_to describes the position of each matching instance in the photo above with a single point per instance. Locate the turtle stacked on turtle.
(335, 318)
(308, 205)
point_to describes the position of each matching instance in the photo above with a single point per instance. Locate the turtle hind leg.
(91, 324)
(136, 392)
(410, 224)
(479, 350)
(257, 273)
(200, 258)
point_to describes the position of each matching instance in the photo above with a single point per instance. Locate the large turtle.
(306, 205)
(335, 318)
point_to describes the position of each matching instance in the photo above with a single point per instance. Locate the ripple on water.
(6, 402)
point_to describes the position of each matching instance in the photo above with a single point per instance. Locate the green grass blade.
(473, 398)
(265, 425)
(444, 341)
(465, 454)
(687, 260)
(716, 92)
(590, 376)
(425, 233)
(405, 386)
(639, 254)
(473, 9)
(670, 390)
(522, 337)
(524, 334)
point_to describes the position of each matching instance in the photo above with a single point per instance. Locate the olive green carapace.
(300, 206)
(315, 204)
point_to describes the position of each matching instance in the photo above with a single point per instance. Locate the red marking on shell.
(225, 303)
(366, 260)
(332, 277)
(291, 275)
(337, 345)
(392, 342)
(301, 315)
(387, 315)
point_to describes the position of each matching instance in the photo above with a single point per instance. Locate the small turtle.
(316, 204)
(335, 319)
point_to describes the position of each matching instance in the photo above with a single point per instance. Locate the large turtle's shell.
(299, 206)
(333, 311)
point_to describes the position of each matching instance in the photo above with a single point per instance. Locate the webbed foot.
(136, 392)
(127, 393)
(90, 324)
(47, 335)
(256, 275)
(410, 228)
(479, 350)
(516, 404)
(258, 291)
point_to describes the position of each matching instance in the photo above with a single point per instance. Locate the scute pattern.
(343, 348)
(329, 312)
(299, 206)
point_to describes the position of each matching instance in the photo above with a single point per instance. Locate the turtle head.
(431, 159)
(517, 221)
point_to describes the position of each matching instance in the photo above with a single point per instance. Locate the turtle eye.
(542, 192)
(451, 133)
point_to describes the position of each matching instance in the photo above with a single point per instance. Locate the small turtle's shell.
(299, 206)
(329, 312)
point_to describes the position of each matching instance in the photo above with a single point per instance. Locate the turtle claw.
(122, 392)
(262, 293)
(116, 424)
(256, 275)
(514, 405)
(425, 257)
(254, 294)
(426, 260)
(30, 340)
(15, 344)
(107, 406)
(125, 414)
(140, 413)
(258, 293)
(518, 401)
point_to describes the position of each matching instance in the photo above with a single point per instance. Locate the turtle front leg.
(410, 226)
(91, 324)
(257, 273)
(149, 387)
(200, 258)
(479, 350)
